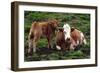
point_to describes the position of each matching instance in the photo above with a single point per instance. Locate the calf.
(38, 29)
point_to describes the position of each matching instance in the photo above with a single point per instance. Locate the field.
(79, 21)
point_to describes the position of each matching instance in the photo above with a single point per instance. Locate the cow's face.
(67, 30)
(54, 23)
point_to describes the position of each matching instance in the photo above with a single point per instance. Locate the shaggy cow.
(41, 28)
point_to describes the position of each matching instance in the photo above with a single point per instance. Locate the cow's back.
(76, 35)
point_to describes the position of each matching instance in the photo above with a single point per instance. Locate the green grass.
(42, 43)
(79, 21)
(58, 55)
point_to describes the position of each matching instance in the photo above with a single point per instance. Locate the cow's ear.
(61, 29)
(72, 29)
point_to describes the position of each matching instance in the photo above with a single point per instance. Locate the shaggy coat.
(38, 29)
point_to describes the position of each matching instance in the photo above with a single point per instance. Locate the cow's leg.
(34, 46)
(30, 42)
(78, 42)
(52, 42)
(35, 41)
(73, 44)
(49, 42)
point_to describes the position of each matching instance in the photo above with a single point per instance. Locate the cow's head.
(53, 23)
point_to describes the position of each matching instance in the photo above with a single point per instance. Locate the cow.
(60, 39)
(63, 37)
(68, 38)
(38, 29)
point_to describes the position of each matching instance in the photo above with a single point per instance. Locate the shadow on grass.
(44, 54)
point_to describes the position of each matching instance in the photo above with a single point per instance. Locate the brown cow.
(60, 39)
(67, 38)
(61, 43)
(63, 37)
(38, 29)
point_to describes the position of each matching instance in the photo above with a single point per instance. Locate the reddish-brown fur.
(39, 29)
(60, 38)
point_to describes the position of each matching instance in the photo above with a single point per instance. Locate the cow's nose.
(68, 39)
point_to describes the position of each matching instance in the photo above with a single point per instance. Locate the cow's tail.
(34, 24)
(31, 36)
(84, 41)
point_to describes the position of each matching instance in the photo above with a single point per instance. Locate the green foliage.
(42, 43)
(79, 21)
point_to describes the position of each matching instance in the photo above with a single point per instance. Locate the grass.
(80, 21)
(44, 53)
